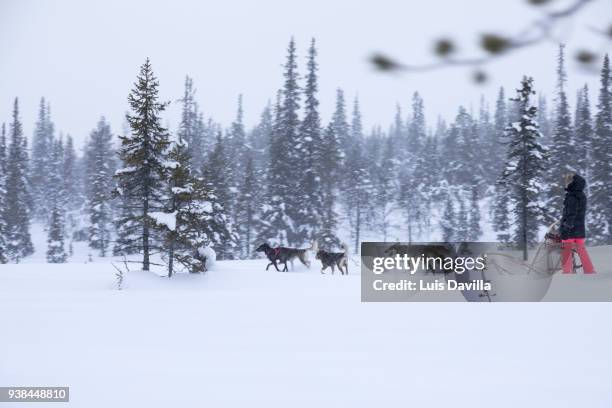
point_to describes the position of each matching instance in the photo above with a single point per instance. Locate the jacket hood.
(578, 184)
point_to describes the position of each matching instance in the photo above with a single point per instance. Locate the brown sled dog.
(333, 259)
(283, 254)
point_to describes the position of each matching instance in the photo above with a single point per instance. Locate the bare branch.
(494, 45)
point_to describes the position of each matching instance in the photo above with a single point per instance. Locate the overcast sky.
(84, 56)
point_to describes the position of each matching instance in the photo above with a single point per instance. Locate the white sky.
(84, 56)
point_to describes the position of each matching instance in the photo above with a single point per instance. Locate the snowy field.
(239, 336)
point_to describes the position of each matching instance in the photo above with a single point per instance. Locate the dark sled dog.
(333, 259)
(441, 250)
(283, 254)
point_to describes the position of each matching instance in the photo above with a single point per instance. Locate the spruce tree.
(17, 205)
(260, 136)
(72, 189)
(417, 125)
(310, 144)
(600, 190)
(379, 187)
(448, 221)
(56, 251)
(501, 211)
(74, 200)
(462, 225)
(340, 125)
(214, 176)
(329, 166)
(143, 153)
(42, 145)
(3, 168)
(544, 120)
(247, 204)
(468, 169)
(236, 152)
(99, 179)
(562, 148)
(192, 127)
(500, 121)
(489, 142)
(475, 231)
(584, 131)
(281, 213)
(526, 164)
(356, 180)
(288, 130)
(184, 222)
(274, 220)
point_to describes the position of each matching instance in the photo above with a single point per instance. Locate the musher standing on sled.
(572, 229)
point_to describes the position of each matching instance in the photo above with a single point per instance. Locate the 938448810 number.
(31, 394)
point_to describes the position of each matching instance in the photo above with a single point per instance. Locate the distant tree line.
(292, 179)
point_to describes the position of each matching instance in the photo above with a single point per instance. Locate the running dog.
(283, 254)
(441, 250)
(332, 259)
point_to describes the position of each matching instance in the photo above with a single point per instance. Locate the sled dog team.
(572, 236)
(328, 259)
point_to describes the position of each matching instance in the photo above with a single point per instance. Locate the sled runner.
(548, 255)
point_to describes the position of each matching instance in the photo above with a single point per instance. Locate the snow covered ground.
(239, 336)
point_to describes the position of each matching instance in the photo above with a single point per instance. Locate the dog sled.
(548, 254)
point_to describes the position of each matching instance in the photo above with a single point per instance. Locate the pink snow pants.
(568, 245)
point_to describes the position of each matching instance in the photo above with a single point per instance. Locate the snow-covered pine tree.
(462, 225)
(501, 211)
(56, 250)
(236, 151)
(500, 122)
(192, 127)
(3, 235)
(70, 178)
(474, 231)
(18, 198)
(448, 222)
(356, 180)
(273, 220)
(42, 144)
(381, 186)
(281, 210)
(600, 188)
(99, 180)
(288, 130)
(417, 128)
(341, 126)
(584, 131)
(143, 153)
(526, 164)
(247, 205)
(468, 169)
(562, 147)
(259, 138)
(203, 138)
(329, 166)
(310, 194)
(72, 189)
(183, 223)
(488, 140)
(449, 149)
(413, 171)
(398, 131)
(219, 228)
(544, 120)
(124, 224)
